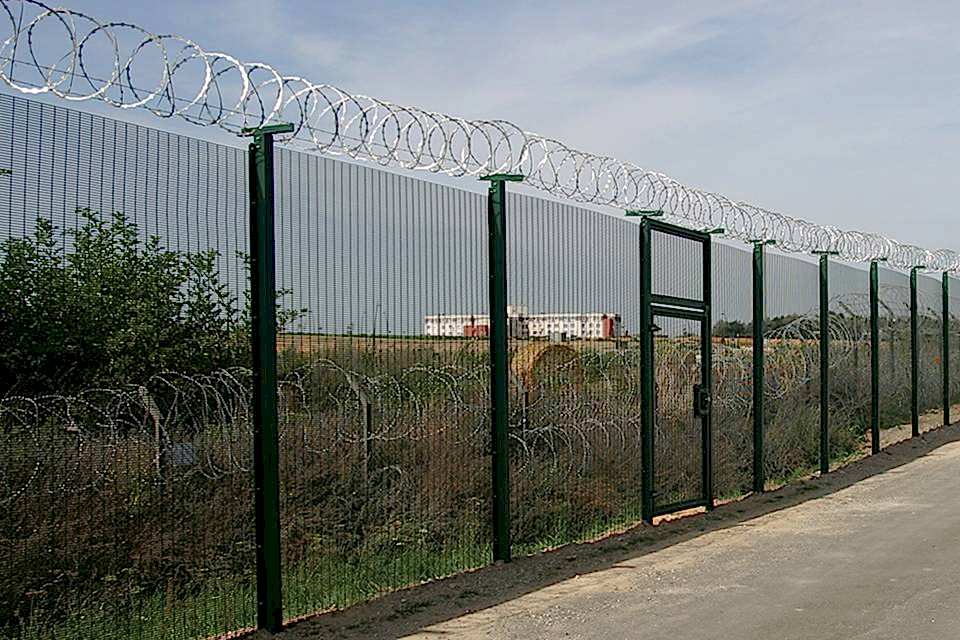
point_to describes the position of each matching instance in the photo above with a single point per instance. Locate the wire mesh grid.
(385, 448)
(849, 322)
(953, 307)
(678, 431)
(791, 366)
(732, 299)
(575, 365)
(677, 266)
(125, 480)
(894, 317)
(930, 347)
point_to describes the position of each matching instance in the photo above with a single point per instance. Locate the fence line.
(143, 481)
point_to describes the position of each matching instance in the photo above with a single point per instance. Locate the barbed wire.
(77, 57)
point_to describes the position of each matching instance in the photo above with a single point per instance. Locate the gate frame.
(676, 307)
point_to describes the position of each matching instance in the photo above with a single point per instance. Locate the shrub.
(100, 305)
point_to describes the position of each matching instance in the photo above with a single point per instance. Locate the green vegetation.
(228, 604)
(112, 309)
(739, 329)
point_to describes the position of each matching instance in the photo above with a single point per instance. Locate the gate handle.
(701, 401)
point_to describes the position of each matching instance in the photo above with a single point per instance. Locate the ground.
(868, 552)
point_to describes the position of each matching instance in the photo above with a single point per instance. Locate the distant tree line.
(738, 329)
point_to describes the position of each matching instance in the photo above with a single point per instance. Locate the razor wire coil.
(77, 57)
(321, 408)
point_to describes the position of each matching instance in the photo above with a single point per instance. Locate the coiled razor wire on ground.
(103, 425)
(77, 57)
(322, 408)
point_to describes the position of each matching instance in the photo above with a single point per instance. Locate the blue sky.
(839, 112)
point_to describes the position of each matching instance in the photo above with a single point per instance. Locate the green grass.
(569, 529)
(313, 586)
(220, 607)
(228, 605)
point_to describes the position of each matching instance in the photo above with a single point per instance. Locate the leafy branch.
(100, 305)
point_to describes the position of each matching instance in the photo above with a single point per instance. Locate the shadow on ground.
(416, 608)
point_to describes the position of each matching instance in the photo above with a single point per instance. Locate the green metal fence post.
(499, 383)
(646, 376)
(824, 364)
(759, 312)
(874, 357)
(914, 357)
(945, 346)
(706, 364)
(266, 452)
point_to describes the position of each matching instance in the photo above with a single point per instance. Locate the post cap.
(502, 177)
(280, 127)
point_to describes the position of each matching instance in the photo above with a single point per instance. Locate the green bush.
(101, 306)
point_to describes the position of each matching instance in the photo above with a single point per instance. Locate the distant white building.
(523, 325)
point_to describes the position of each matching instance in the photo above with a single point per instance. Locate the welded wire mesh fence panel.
(929, 347)
(894, 318)
(954, 333)
(677, 266)
(791, 366)
(849, 322)
(573, 285)
(384, 443)
(732, 298)
(126, 508)
(125, 422)
(678, 432)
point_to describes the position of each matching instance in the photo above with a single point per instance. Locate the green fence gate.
(675, 334)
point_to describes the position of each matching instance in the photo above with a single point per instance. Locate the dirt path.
(928, 422)
(871, 551)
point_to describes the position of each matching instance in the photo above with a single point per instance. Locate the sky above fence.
(840, 114)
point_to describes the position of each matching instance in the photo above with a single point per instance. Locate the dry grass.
(95, 534)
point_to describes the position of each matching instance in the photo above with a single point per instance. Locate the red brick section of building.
(606, 326)
(476, 330)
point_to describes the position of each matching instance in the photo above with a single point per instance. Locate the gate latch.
(701, 401)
